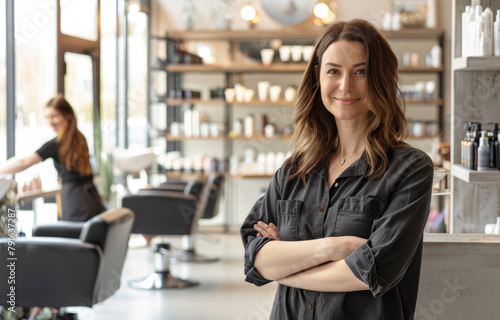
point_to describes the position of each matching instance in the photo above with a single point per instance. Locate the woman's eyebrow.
(339, 66)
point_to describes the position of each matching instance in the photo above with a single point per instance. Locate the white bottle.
(496, 34)
(436, 55)
(483, 153)
(386, 21)
(431, 14)
(465, 31)
(395, 23)
(488, 31)
(483, 46)
(188, 123)
(497, 227)
(249, 126)
(195, 127)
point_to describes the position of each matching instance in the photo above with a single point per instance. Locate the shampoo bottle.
(496, 34)
(483, 153)
(188, 123)
(497, 151)
(488, 31)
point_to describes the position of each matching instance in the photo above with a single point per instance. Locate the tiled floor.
(222, 293)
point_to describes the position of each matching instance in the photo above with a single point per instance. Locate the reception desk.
(460, 277)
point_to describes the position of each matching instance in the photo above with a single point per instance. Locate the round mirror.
(288, 12)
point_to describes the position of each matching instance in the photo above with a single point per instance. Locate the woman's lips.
(346, 101)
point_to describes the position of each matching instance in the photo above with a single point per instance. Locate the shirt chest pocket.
(288, 219)
(356, 215)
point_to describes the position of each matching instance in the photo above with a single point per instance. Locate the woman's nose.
(346, 83)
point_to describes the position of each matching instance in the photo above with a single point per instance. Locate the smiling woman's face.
(55, 119)
(342, 77)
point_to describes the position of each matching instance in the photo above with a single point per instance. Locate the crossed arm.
(316, 265)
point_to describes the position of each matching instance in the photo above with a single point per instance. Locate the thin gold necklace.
(345, 158)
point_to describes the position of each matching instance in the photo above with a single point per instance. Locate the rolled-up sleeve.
(263, 210)
(396, 235)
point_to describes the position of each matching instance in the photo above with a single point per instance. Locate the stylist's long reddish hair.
(73, 149)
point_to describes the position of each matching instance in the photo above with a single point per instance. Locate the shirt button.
(309, 306)
(336, 184)
(321, 208)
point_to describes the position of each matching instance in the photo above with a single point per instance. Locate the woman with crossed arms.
(340, 227)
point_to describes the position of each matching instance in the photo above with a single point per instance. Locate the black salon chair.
(69, 263)
(208, 195)
(160, 212)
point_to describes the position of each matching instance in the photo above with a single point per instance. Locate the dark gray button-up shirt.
(390, 212)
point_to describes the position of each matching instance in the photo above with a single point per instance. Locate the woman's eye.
(361, 71)
(333, 71)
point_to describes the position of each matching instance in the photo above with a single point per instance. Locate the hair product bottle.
(483, 153)
(497, 151)
(496, 34)
(493, 137)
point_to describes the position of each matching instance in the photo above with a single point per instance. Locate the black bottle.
(497, 151)
(493, 137)
(472, 150)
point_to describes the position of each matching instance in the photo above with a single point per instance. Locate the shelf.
(476, 64)
(176, 102)
(263, 137)
(419, 69)
(412, 34)
(437, 102)
(256, 137)
(276, 67)
(281, 102)
(286, 34)
(183, 138)
(473, 176)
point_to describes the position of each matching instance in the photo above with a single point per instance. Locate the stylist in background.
(79, 198)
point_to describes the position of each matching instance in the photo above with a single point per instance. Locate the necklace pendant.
(342, 162)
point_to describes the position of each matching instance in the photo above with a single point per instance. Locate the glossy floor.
(222, 293)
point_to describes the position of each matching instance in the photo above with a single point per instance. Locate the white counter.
(460, 277)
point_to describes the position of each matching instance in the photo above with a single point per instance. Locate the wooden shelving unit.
(475, 83)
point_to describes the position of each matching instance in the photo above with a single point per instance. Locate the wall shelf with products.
(474, 176)
(475, 196)
(242, 68)
(220, 102)
(476, 64)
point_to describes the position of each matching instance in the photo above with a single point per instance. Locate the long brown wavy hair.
(315, 133)
(73, 150)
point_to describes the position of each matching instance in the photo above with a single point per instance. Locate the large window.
(35, 77)
(3, 84)
(137, 78)
(79, 18)
(78, 86)
(108, 72)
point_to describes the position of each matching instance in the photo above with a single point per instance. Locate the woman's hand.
(266, 230)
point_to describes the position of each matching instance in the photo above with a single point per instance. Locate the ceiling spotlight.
(321, 10)
(323, 13)
(250, 15)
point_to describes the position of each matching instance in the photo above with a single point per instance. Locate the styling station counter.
(460, 277)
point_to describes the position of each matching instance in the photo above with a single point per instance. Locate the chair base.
(161, 280)
(190, 256)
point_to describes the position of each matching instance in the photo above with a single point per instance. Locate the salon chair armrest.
(49, 271)
(63, 229)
